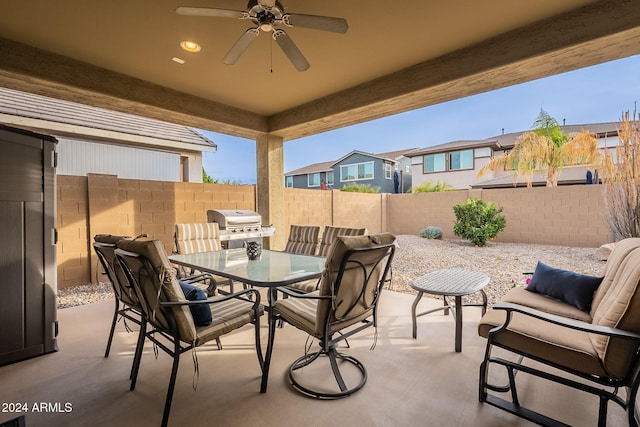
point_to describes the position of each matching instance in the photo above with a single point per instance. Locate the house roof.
(316, 167)
(568, 175)
(63, 118)
(328, 166)
(508, 140)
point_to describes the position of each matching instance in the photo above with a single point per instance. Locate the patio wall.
(566, 215)
(105, 204)
(87, 206)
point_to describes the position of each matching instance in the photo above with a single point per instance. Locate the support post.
(270, 187)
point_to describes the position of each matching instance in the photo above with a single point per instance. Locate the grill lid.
(229, 218)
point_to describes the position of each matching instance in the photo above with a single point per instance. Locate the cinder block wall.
(307, 207)
(567, 215)
(104, 204)
(86, 206)
(72, 220)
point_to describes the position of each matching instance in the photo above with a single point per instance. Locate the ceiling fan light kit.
(268, 15)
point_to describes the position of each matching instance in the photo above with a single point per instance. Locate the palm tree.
(546, 148)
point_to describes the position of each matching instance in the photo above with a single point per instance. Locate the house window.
(387, 171)
(289, 183)
(313, 180)
(330, 178)
(459, 160)
(356, 172)
(434, 163)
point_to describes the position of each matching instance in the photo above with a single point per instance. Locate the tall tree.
(547, 148)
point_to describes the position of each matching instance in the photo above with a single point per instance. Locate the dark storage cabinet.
(28, 325)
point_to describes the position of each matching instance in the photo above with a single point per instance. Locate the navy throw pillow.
(573, 288)
(201, 313)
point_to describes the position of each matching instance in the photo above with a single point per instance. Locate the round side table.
(455, 283)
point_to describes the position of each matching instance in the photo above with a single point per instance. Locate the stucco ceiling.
(395, 56)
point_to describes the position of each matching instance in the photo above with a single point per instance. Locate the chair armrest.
(217, 299)
(561, 321)
(295, 294)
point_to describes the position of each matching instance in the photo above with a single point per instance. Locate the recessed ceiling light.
(190, 46)
(178, 60)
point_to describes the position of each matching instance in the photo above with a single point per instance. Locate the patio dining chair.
(586, 340)
(199, 237)
(127, 305)
(303, 240)
(173, 325)
(329, 237)
(345, 304)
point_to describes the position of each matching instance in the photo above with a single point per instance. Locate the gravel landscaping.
(503, 262)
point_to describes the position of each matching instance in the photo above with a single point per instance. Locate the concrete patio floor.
(410, 382)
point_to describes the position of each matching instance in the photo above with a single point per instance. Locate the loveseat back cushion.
(170, 288)
(620, 308)
(197, 237)
(616, 257)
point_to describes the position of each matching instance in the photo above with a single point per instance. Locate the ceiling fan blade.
(291, 50)
(206, 11)
(240, 46)
(316, 22)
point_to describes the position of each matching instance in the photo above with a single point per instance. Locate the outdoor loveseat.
(592, 337)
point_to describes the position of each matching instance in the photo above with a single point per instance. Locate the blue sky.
(595, 94)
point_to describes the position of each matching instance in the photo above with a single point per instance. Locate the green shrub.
(478, 221)
(432, 232)
(430, 187)
(360, 188)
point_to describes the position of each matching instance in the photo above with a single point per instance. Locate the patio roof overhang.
(392, 59)
(411, 56)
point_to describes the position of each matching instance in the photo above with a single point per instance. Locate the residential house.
(95, 140)
(457, 163)
(390, 171)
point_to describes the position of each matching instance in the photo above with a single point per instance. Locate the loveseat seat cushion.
(544, 303)
(544, 340)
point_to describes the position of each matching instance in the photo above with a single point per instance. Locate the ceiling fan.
(268, 15)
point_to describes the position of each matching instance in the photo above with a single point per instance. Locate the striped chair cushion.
(197, 237)
(303, 240)
(330, 234)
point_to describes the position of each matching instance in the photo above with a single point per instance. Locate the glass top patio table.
(273, 269)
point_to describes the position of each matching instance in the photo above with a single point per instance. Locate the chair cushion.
(544, 340)
(620, 308)
(305, 287)
(201, 313)
(197, 237)
(109, 238)
(573, 288)
(346, 294)
(155, 253)
(331, 233)
(303, 240)
(227, 316)
(520, 295)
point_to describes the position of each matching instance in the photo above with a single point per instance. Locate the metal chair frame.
(159, 335)
(630, 382)
(328, 344)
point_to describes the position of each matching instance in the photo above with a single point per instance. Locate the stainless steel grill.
(238, 226)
